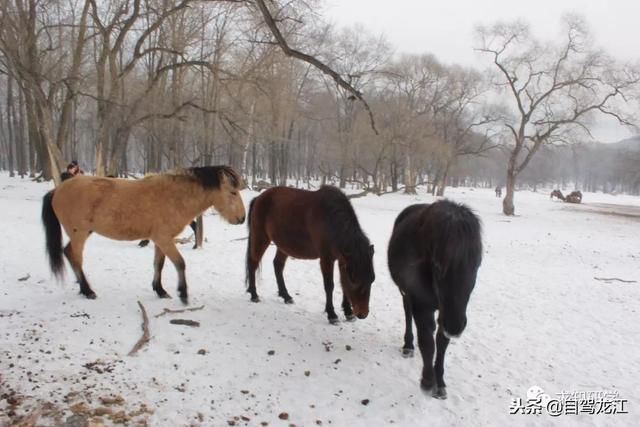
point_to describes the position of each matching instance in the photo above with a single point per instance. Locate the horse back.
(287, 216)
(435, 241)
(117, 208)
(404, 253)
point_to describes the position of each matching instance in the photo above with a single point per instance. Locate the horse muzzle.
(240, 220)
(362, 315)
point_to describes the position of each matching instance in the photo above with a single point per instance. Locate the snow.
(537, 318)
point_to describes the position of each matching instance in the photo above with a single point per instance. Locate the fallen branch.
(22, 279)
(609, 279)
(145, 332)
(239, 239)
(185, 322)
(168, 310)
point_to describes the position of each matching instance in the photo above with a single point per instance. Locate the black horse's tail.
(456, 235)
(53, 233)
(248, 260)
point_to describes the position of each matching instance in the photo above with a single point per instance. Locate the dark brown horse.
(573, 197)
(434, 254)
(310, 225)
(156, 208)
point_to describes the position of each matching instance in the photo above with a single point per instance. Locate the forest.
(127, 87)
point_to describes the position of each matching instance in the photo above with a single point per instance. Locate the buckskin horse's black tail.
(53, 233)
(248, 260)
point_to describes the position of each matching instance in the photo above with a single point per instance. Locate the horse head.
(225, 184)
(453, 299)
(357, 275)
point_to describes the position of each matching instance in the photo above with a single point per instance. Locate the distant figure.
(72, 170)
(498, 191)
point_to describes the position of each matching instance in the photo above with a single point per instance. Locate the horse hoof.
(288, 301)
(165, 296)
(334, 321)
(90, 295)
(426, 385)
(255, 299)
(184, 299)
(439, 393)
(407, 352)
(350, 317)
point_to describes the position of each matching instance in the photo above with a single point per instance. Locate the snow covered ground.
(538, 317)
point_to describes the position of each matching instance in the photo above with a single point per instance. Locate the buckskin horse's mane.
(210, 177)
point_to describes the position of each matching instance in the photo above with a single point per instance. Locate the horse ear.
(371, 250)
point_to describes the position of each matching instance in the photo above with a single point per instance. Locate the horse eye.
(235, 193)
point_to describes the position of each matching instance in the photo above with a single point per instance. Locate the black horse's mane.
(211, 176)
(342, 224)
(451, 233)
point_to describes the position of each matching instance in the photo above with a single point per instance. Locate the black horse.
(434, 254)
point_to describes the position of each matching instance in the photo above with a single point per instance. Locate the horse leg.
(258, 244)
(73, 252)
(170, 250)
(407, 348)
(442, 342)
(425, 326)
(278, 266)
(158, 264)
(346, 308)
(326, 265)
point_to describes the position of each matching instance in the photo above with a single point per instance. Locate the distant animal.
(155, 208)
(574, 197)
(498, 191)
(309, 225)
(434, 255)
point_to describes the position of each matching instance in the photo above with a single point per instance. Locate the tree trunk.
(19, 137)
(443, 179)
(10, 122)
(508, 207)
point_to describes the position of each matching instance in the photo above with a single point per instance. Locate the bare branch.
(269, 20)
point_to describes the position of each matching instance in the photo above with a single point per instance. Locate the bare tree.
(555, 88)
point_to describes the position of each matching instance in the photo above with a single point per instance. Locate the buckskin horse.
(434, 255)
(155, 208)
(310, 225)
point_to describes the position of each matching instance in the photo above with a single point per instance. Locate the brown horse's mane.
(343, 225)
(210, 177)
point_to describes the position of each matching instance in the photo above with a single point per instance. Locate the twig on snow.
(168, 310)
(185, 322)
(610, 279)
(145, 331)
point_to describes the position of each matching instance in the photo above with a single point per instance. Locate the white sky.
(445, 28)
